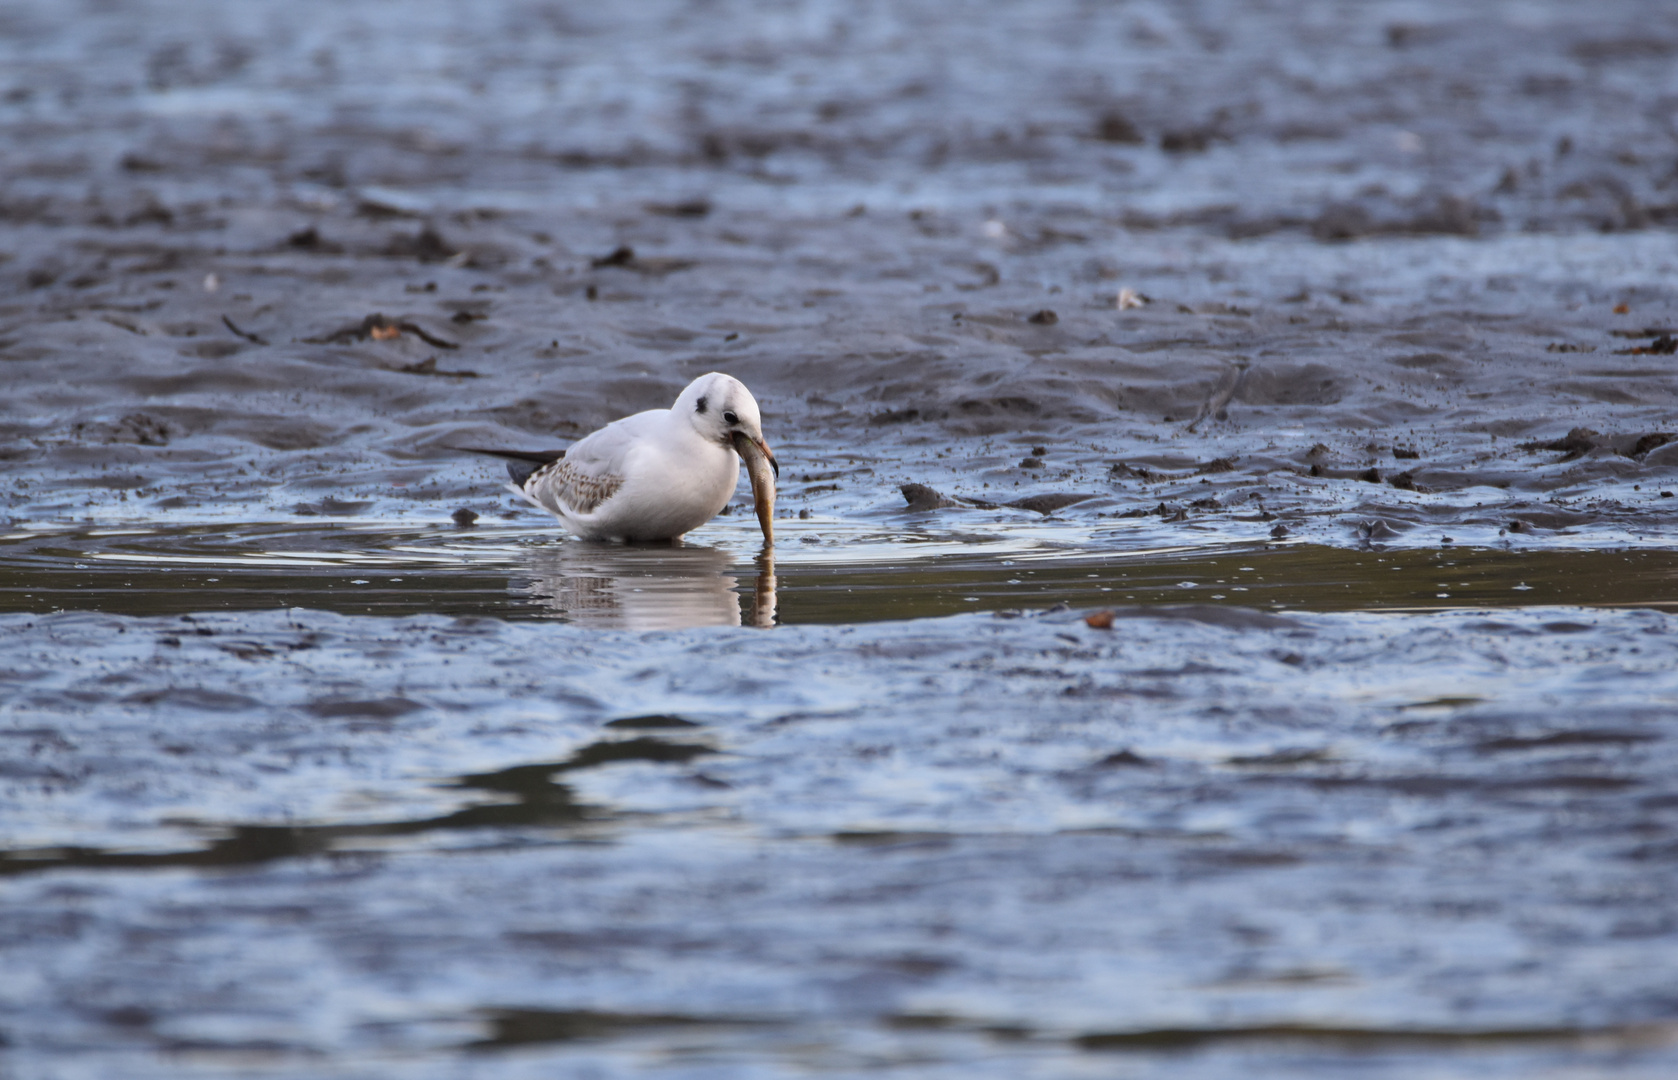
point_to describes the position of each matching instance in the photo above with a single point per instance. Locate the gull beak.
(762, 469)
(770, 454)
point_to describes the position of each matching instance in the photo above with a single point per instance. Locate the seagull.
(657, 474)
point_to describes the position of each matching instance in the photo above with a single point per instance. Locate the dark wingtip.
(520, 463)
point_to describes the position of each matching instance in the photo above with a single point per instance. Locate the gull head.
(721, 409)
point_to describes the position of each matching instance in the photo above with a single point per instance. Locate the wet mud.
(1017, 843)
(251, 268)
(1225, 537)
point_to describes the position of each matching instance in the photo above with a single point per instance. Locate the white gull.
(657, 474)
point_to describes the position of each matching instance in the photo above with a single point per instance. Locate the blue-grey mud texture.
(1365, 232)
(1393, 254)
(304, 844)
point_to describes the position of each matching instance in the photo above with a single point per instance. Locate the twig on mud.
(243, 333)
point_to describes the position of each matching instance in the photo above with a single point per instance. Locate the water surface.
(831, 571)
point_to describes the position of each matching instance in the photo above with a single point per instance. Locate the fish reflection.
(645, 588)
(763, 596)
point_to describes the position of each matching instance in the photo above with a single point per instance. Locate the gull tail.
(520, 463)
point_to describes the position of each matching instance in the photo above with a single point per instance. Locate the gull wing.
(565, 486)
(590, 473)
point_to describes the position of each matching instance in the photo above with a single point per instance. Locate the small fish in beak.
(763, 469)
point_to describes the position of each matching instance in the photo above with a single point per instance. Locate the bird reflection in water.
(665, 587)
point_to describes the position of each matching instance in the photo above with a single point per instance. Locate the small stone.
(464, 518)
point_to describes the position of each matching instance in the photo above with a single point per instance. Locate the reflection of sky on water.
(644, 588)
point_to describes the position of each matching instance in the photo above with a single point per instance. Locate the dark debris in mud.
(378, 327)
(1664, 345)
(237, 332)
(427, 246)
(624, 257)
(428, 366)
(309, 239)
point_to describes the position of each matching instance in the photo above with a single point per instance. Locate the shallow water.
(826, 572)
(1333, 337)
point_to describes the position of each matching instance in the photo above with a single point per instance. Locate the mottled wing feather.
(561, 484)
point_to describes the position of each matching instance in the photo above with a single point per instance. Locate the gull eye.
(730, 417)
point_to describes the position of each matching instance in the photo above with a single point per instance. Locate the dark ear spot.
(701, 406)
